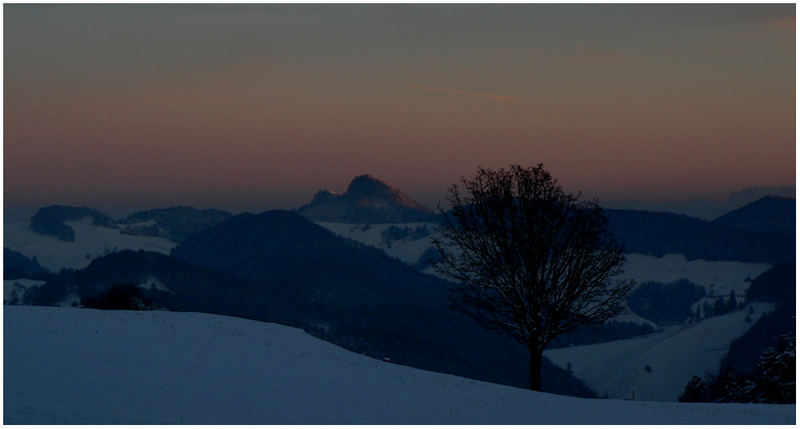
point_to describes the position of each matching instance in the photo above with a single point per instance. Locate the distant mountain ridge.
(174, 223)
(283, 248)
(761, 231)
(18, 266)
(766, 214)
(662, 233)
(706, 209)
(367, 200)
(51, 220)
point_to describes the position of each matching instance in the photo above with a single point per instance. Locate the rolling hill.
(659, 234)
(766, 214)
(358, 297)
(173, 223)
(280, 267)
(127, 367)
(656, 367)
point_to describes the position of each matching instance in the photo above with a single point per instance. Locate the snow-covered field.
(718, 277)
(673, 356)
(79, 366)
(90, 242)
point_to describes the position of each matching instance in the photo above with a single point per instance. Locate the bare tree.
(528, 258)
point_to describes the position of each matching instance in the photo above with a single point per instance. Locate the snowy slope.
(718, 277)
(674, 355)
(90, 242)
(407, 250)
(91, 366)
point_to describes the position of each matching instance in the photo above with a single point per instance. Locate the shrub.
(121, 297)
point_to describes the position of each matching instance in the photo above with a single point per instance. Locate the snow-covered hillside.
(657, 366)
(407, 250)
(90, 242)
(117, 367)
(718, 277)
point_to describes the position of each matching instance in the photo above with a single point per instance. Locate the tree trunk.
(535, 368)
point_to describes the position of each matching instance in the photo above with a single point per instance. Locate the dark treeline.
(760, 365)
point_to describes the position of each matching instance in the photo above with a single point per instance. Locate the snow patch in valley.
(407, 250)
(126, 367)
(154, 283)
(719, 277)
(674, 355)
(91, 241)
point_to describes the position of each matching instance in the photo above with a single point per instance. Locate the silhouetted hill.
(665, 304)
(50, 220)
(702, 208)
(174, 284)
(663, 233)
(776, 285)
(174, 223)
(360, 298)
(285, 249)
(18, 266)
(428, 338)
(367, 200)
(658, 234)
(767, 214)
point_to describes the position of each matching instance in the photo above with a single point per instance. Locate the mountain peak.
(323, 195)
(367, 181)
(368, 187)
(367, 199)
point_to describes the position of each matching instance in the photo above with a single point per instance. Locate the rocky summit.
(367, 200)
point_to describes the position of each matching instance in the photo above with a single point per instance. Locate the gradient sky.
(253, 107)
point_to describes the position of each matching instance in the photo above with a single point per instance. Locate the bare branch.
(528, 258)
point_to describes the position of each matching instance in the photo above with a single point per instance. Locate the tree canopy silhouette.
(528, 258)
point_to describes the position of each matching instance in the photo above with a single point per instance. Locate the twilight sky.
(253, 107)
